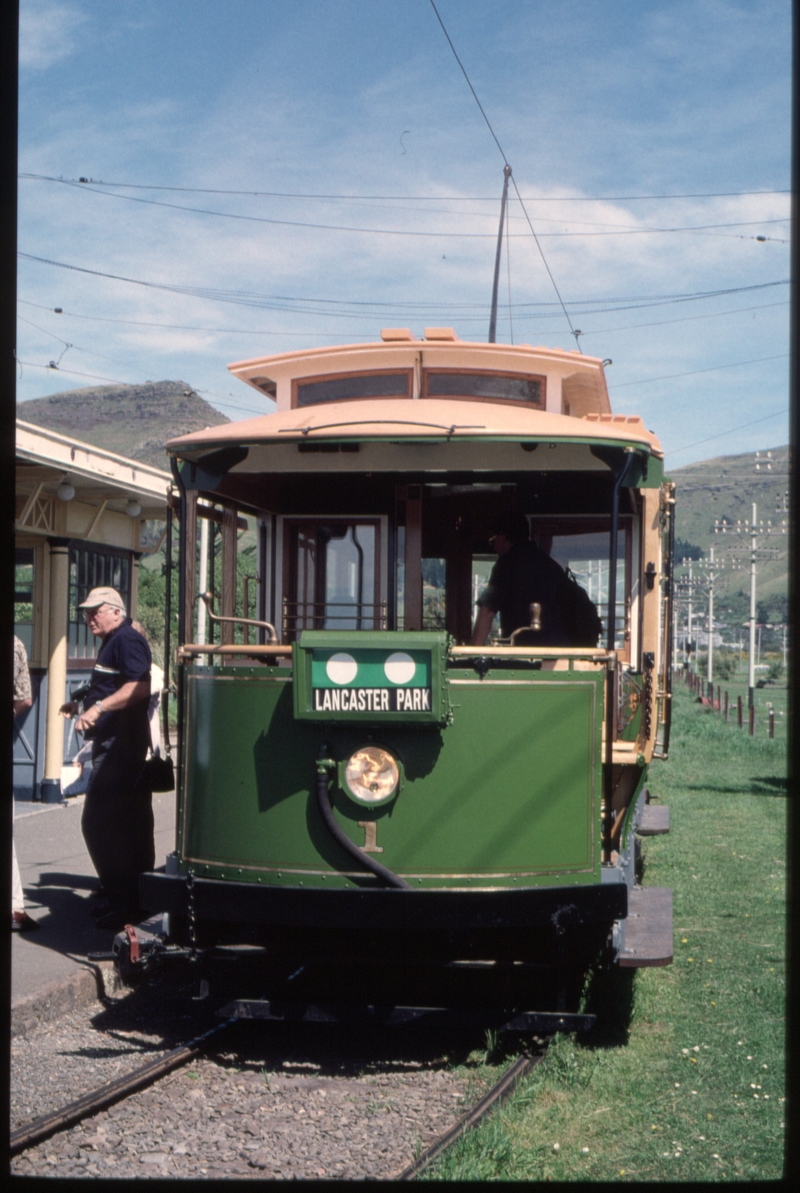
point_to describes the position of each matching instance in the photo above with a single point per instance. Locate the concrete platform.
(49, 971)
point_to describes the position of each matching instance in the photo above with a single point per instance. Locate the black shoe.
(100, 909)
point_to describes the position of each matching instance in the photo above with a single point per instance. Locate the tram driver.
(522, 575)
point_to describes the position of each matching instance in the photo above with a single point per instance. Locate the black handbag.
(158, 774)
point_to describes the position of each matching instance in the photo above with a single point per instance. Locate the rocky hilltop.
(132, 420)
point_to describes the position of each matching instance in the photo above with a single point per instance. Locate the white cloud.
(47, 32)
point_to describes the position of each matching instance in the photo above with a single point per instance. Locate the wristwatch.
(99, 706)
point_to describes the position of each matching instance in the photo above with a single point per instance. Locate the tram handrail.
(208, 600)
(598, 654)
(190, 649)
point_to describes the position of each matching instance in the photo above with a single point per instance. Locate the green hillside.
(723, 489)
(132, 420)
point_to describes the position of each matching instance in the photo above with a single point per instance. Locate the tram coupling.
(138, 948)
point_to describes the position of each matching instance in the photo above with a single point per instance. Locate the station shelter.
(84, 518)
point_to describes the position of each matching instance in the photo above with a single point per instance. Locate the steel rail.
(114, 1091)
(498, 1093)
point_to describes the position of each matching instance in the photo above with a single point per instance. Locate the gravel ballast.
(265, 1101)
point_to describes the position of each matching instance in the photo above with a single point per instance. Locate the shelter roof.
(45, 458)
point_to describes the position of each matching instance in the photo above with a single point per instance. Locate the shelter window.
(315, 390)
(23, 596)
(514, 388)
(333, 576)
(93, 567)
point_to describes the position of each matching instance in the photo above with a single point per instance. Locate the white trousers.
(17, 898)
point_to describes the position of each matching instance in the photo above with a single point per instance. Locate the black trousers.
(117, 820)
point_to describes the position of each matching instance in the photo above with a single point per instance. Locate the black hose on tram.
(339, 835)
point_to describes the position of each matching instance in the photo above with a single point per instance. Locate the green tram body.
(512, 824)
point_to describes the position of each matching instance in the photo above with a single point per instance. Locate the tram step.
(654, 820)
(648, 928)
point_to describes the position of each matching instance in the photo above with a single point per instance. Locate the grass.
(690, 1084)
(774, 694)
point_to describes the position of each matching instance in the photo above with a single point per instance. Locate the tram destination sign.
(370, 676)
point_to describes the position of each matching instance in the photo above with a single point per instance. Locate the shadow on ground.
(65, 923)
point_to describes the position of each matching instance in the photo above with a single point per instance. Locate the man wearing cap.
(117, 819)
(522, 575)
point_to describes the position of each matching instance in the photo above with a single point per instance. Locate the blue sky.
(650, 142)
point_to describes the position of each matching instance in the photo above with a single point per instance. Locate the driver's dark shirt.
(521, 576)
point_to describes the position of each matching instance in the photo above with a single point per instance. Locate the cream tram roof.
(573, 407)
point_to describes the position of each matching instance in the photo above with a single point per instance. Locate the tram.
(357, 779)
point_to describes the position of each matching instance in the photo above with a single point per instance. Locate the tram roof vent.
(440, 333)
(265, 384)
(393, 335)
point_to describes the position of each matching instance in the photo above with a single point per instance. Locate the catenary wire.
(305, 335)
(736, 364)
(221, 399)
(742, 427)
(200, 190)
(685, 319)
(712, 229)
(244, 298)
(508, 167)
(75, 347)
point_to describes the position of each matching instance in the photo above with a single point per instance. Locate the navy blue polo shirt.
(124, 658)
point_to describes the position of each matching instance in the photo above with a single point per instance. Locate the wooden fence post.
(771, 721)
(726, 704)
(739, 710)
(752, 726)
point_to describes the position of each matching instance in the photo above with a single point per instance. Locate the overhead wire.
(75, 347)
(611, 230)
(736, 364)
(250, 331)
(686, 319)
(202, 190)
(507, 164)
(722, 434)
(30, 364)
(278, 302)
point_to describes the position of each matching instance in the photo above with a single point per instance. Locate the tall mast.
(493, 316)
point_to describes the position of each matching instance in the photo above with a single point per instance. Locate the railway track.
(209, 1107)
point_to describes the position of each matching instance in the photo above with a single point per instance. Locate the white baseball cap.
(103, 596)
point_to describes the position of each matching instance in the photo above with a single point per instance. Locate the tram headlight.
(371, 776)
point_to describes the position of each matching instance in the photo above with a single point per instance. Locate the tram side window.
(333, 576)
(481, 570)
(434, 606)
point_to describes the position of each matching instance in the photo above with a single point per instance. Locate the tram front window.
(584, 551)
(332, 576)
